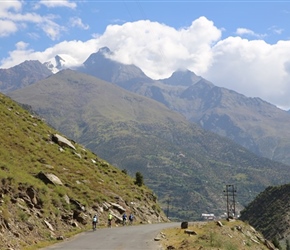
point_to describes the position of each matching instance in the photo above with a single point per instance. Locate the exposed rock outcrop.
(49, 178)
(61, 141)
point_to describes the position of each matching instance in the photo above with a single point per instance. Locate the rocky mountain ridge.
(22, 75)
(127, 76)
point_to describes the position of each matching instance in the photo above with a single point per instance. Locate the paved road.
(117, 238)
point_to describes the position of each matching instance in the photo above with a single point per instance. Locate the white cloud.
(77, 51)
(7, 28)
(276, 30)
(7, 11)
(21, 45)
(251, 67)
(7, 6)
(58, 3)
(51, 29)
(159, 49)
(12, 19)
(77, 22)
(244, 31)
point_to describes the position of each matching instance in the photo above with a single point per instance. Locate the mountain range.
(181, 134)
(184, 164)
(251, 122)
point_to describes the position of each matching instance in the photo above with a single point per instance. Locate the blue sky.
(240, 45)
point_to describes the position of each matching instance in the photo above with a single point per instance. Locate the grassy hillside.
(186, 166)
(34, 209)
(224, 235)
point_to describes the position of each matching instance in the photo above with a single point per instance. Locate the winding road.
(116, 238)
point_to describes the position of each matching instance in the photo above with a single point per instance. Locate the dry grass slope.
(232, 235)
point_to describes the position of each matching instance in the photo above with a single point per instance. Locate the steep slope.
(185, 165)
(250, 122)
(51, 187)
(22, 75)
(269, 212)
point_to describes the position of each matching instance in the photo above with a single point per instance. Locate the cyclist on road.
(110, 217)
(124, 219)
(94, 222)
(131, 218)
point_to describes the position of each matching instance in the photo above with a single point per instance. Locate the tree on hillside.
(139, 179)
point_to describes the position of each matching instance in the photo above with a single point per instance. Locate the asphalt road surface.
(117, 238)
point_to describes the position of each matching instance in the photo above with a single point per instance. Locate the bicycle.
(131, 217)
(130, 222)
(94, 226)
(109, 223)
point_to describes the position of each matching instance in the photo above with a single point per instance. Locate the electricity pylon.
(231, 203)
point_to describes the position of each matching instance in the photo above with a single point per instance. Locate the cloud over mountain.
(254, 68)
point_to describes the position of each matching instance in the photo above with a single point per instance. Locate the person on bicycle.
(95, 221)
(124, 219)
(131, 218)
(110, 217)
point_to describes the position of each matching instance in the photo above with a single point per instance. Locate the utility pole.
(231, 202)
(167, 212)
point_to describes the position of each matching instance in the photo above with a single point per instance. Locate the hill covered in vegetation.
(51, 186)
(269, 213)
(186, 166)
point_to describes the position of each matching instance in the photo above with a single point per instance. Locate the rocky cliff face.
(25, 221)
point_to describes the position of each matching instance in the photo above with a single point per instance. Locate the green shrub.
(23, 216)
(139, 179)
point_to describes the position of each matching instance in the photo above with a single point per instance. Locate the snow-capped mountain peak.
(60, 62)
